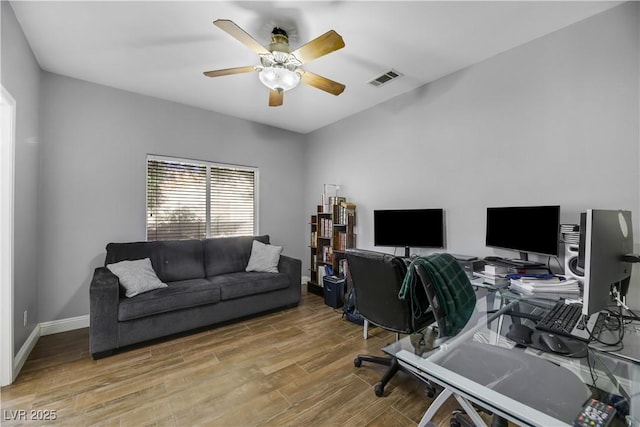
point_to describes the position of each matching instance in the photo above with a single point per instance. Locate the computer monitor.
(526, 229)
(417, 228)
(605, 237)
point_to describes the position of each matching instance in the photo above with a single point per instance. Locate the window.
(189, 199)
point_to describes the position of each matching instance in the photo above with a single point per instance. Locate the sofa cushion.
(264, 258)
(179, 259)
(224, 255)
(136, 277)
(236, 285)
(177, 295)
(117, 252)
(172, 260)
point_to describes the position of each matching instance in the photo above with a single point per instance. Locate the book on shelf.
(336, 200)
(343, 216)
(341, 241)
(326, 227)
(327, 254)
(343, 267)
(321, 274)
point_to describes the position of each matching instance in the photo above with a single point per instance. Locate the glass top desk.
(525, 386)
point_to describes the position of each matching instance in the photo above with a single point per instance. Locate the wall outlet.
(25, 318)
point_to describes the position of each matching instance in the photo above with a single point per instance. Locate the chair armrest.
(293, 268)
(104, 297)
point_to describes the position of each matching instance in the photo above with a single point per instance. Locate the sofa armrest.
(104, 297)
(293, 268)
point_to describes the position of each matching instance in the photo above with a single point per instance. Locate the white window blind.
(232, 196)
(188, 199)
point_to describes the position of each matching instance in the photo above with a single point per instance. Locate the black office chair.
(377, 279)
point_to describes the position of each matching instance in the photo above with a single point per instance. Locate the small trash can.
(333, 290)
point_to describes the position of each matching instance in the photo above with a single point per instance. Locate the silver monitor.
(608, 237)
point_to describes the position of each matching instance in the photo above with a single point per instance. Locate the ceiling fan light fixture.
(278, 78)
(280, 68)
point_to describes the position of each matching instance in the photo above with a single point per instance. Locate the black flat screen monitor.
(526, 229)
(605, 237)
(417, 228)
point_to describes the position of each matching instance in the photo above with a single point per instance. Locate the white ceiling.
(161, 48)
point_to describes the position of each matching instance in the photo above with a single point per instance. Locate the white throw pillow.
(136, 276)
(264, 258)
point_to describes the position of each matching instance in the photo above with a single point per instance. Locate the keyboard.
(567, 320)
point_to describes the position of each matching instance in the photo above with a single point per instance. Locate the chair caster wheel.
(454, 423)
(431, 394)
(357, 362)
(378, 389)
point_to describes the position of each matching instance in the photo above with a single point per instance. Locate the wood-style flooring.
(293, 367)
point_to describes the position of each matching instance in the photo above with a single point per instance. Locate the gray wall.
(21, 78)
(94, 145)
(552, 122)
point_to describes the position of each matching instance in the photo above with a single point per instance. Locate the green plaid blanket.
(453, 291)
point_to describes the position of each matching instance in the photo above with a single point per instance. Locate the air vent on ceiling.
(385, 78)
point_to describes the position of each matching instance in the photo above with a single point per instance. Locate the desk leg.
(470, 410)
(441, 399)
(433, 408)
(366, 329)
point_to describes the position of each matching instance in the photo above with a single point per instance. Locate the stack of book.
(345, 212)
(545, 286)
(570, 233)
(326, 227)
(327, 254)
(495, 275)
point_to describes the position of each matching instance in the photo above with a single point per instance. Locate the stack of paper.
(570, 233)
(552, 287)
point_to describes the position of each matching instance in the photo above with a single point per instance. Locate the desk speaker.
(571, 262)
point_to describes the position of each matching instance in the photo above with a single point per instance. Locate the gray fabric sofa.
(207, 284)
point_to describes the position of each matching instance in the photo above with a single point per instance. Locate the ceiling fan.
(279, 67)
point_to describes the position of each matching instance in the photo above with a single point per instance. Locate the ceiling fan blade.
(228, 71)
(322, 83)
(320, 46)
(241, 35)
(275, 98)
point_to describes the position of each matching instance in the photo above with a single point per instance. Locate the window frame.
(209, 165)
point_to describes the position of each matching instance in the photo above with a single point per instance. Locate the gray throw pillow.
(264, 258)
(136, 276)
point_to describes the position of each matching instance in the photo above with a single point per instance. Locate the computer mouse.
(554, 343)
(520, 333)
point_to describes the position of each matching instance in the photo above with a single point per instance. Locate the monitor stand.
(519, 263)
(407, 252)
(523, 262)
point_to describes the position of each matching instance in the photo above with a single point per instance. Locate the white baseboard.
(25, 351)
(46, 328)
(64, 325)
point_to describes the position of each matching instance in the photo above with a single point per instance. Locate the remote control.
(595, 414)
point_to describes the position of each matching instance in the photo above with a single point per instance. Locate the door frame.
(7, 178)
